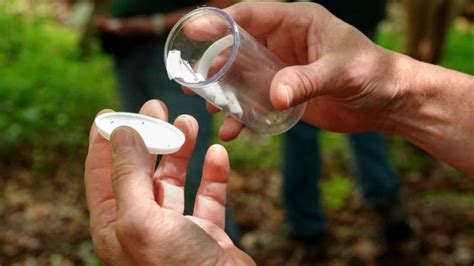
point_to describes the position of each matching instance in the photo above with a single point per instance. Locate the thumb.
(131, 169)
(297, 84)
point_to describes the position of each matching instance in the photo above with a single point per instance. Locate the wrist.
(433, 112)
(402, 77)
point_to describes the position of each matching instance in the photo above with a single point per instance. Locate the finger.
(211, 195)
(217, 63)
(205, 27)
(98, 167)
(230, 129)
(170, 176)
(212, 108)
(131, 172)
(297, 84)
(261, 18)
(156, 109)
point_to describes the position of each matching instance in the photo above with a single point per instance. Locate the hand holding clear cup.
(210, 54)
(347, 82)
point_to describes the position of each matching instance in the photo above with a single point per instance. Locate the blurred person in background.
(377, 180)
(135, 34)
(426, 27)
(427, 24)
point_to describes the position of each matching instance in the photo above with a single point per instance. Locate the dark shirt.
(130, 8)
(362, 14)
(121, 46)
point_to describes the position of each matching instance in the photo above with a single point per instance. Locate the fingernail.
(224, 127)
(188, 120)
(287, 93)
(122, 137)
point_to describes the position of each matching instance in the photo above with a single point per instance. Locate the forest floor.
(45, 222)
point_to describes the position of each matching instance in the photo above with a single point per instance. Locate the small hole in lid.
(111, 122)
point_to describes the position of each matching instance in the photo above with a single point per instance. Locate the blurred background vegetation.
(49, 96)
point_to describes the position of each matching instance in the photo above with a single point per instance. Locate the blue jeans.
(142, 76)
(377, 180)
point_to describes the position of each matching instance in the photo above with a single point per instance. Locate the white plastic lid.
(159, 136)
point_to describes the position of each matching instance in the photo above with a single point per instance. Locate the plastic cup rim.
(236, 44)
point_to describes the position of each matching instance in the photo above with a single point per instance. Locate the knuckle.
(126, 228)
(351, 78)
(93, 229)
(101, 245)
(100, 251)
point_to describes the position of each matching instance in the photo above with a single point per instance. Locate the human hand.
(137, 211)
(350, 84)
(136, 26)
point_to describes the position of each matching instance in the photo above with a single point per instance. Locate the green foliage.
(388, 38)
(250, 150)
(449, 198)
(399, 151)
(48, 98)
(335, 192)
(458, 52)
(335, 153)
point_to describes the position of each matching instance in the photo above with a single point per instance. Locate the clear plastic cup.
(207, 52)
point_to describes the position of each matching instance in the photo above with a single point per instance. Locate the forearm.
(172, 17)
(436, 112)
